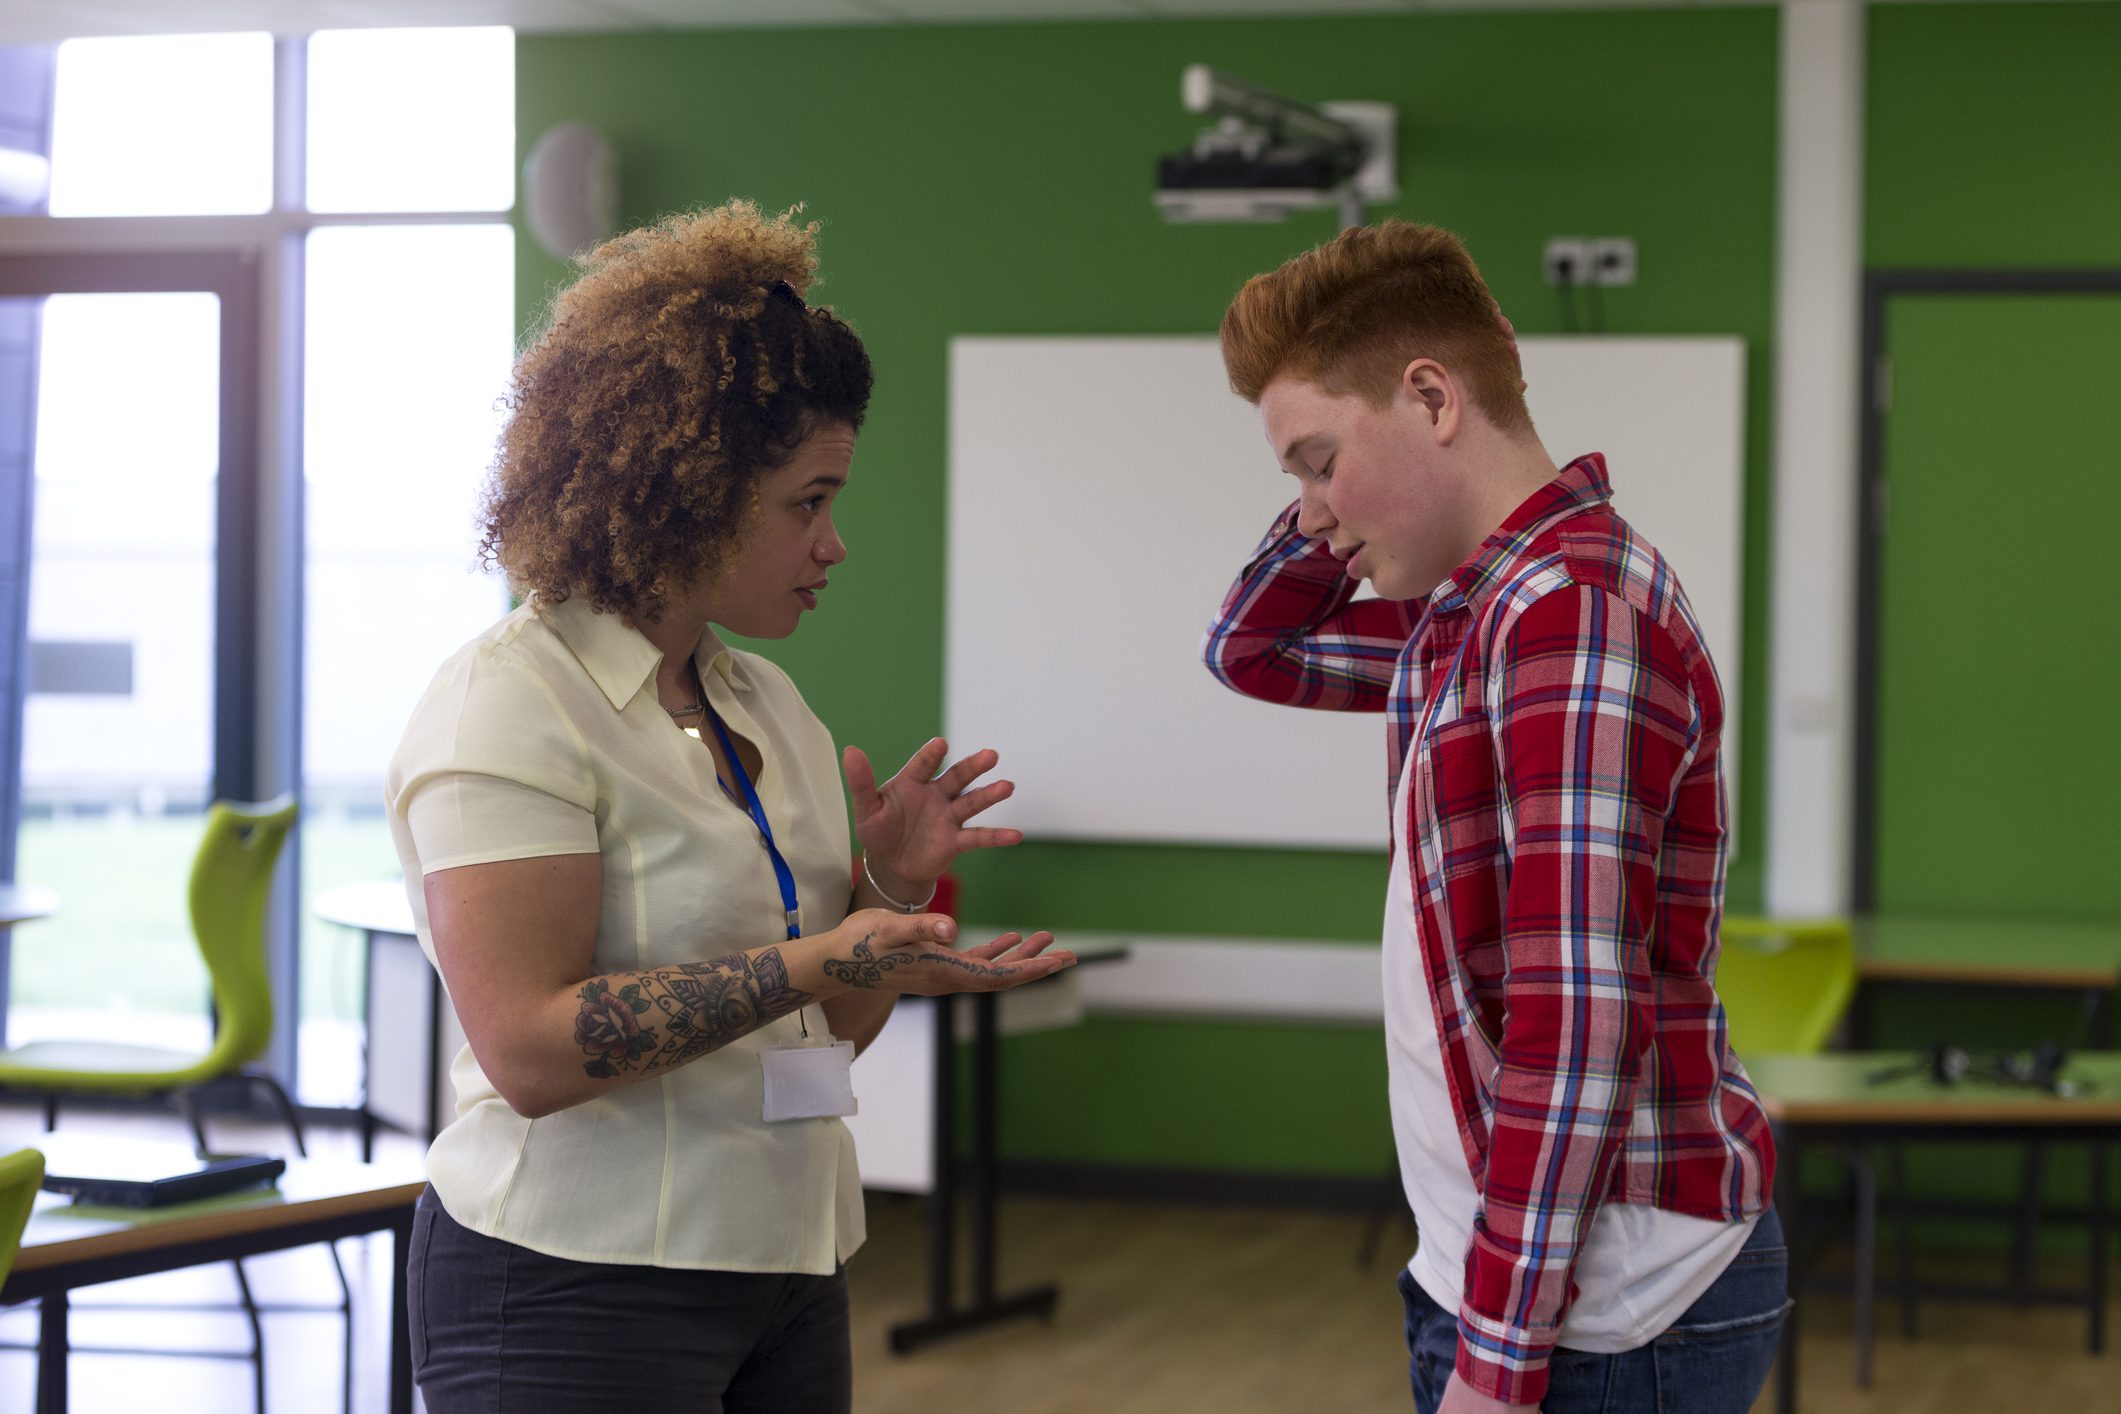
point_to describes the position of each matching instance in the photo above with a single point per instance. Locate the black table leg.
(368, 1043)
(51, 1354)
(1789, 1204)
(1865, 1163)
(942, 1202)
(400, 1318)
(945, 1317)
(2025, 1242)
(1904, 1238)
(984, 1105)
(2099, 1242)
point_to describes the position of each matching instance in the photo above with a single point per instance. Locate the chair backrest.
(1785, 984)
(231, 881)
(20, 1173)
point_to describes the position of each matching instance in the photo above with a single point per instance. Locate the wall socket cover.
(1567, 261)
(1612, 261)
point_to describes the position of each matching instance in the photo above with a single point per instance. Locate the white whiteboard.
(1105, 491)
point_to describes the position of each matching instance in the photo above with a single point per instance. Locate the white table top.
(379, 906)
(19, 903)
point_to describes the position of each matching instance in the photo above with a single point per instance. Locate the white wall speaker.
(570, 190)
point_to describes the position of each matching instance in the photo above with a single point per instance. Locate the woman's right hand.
(876, 950)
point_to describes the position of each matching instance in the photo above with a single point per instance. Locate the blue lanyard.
(781, 871)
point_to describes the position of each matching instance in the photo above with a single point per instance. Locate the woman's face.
(781, 562)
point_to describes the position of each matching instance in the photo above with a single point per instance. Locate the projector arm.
(1206, 91)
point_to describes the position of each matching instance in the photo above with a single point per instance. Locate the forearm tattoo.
(676, 1014)
(867, 970)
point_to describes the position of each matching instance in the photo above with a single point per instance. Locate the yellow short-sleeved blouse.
(544, 736)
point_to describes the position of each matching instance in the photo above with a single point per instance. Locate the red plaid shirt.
(1567, 836)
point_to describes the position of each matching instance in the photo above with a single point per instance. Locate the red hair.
(1351, 314)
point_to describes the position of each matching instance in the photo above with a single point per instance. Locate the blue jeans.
(1713, 1360)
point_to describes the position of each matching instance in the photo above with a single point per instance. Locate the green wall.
(996, 179)
(2024, 825)
(1994, 137)
(1993, 144)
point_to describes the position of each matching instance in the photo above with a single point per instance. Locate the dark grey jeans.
(500, 1329)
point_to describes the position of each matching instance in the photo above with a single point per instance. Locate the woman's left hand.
(913, 825)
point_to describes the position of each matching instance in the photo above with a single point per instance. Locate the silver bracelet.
(870, 875)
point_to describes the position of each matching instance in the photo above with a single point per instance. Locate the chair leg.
(277, 1093)
(282, 1103)
(51, 1113)
(187, 1101)
(257, 1332)
(346, 1333)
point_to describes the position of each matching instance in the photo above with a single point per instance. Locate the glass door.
(127, 508)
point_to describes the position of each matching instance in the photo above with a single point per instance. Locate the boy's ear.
(1426, 383)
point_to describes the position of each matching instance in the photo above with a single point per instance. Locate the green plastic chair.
(231, 883)
(231, 879)
(1785, 984)
(20, 1174)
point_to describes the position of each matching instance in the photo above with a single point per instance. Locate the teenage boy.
(1588, 1166)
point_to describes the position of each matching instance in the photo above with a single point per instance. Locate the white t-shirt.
(1640, 1267)
(542, 737)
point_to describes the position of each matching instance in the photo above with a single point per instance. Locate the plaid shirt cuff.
(1501, 1363)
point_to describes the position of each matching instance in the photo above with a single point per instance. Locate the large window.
(411, 120)
(170, 125)
(389, 251)
(117, 724)
(408, 350)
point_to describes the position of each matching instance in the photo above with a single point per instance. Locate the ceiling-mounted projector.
(1268, 156)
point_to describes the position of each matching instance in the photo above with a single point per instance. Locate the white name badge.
(809, 1082)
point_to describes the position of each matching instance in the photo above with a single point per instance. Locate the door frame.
(232, 275)
(1879, 288)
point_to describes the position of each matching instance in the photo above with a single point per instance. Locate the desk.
(1986, 954)
(408, 1044)
(1829, 1099)
(317, 1200)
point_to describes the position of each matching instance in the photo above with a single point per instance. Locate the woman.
(631, 861)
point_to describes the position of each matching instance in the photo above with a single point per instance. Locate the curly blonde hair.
(679, 368)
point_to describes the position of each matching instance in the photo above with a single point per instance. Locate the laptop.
(136, 1173)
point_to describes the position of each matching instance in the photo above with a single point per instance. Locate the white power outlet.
(1612, 261)
(1568, 261)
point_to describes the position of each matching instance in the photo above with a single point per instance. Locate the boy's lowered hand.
(1461, 1398)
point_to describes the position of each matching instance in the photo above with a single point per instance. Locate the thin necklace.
(696, 710)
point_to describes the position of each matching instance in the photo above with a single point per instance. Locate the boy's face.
(1375, 482)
